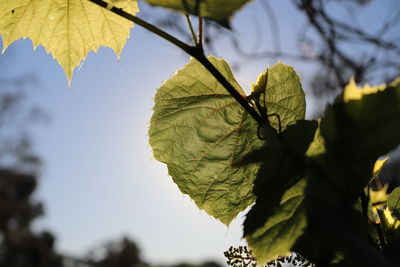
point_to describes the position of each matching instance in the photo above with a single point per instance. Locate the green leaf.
(365, 125)
(278, 218)
(279, 90)
(68, 30)
(358, 128)
(218, 10)
(199, 130)
(317, 146)
(393, 203)
(201, 133)
(286, 223)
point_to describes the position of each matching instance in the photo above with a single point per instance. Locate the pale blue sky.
(99, 180)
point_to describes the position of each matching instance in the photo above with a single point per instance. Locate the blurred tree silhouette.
(123, 253)
(19, 165)
(16, 115)
(19, 246)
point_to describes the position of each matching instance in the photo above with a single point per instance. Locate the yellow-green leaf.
(317, 146)
(378, 166)
(68, 29)
(353, 92)
(377, 197)
(393, 203)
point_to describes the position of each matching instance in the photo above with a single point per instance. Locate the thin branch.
(194, 51)
(273, 54)
(185, 47)
(274, 24)
(200, 43)
(191, 29)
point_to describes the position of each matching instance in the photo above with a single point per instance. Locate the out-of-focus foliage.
(219, 10)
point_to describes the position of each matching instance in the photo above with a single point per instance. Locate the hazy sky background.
(99, 180)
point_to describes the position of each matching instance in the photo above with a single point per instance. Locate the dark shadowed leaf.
(278, 218)
(286, 222)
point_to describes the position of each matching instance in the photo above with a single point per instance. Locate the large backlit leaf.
(68, 29)
(199, 131)
(218, 10)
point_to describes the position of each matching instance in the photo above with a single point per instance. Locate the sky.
(100, 181)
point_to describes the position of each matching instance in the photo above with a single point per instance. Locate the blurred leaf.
(391, 230)
(378, 196)
(353, 92)
(218, 10)
(358, 132)
(396, 82)
(393, 203)
(388, 222)
(378, 166)
(199, 130)
(68, 30)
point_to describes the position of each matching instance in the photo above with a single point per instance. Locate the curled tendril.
(254, 100)
(265, 116)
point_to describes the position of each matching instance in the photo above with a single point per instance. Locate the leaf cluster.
(310, 179)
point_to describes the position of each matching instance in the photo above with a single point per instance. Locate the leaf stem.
(364, 206)
(200, 43)
(381, 236)
(194, 51)
(199, 55)
(378, 228)
(191, 28)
